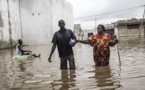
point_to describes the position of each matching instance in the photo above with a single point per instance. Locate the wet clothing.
(61, 39)
(18, 51)
(63, 64)
(101, 49)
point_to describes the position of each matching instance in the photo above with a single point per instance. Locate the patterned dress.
(101, 50)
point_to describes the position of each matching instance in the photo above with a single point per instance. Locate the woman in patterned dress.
(101, 43)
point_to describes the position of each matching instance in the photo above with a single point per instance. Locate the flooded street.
(39, 74)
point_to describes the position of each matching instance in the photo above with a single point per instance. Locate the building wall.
(36, 22)
(14, 20)
(40, 19)
(62, 10)
(86, 32)
(33, 21)
(123, 31)
(4, 27)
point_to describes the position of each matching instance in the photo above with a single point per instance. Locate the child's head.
(20, 41)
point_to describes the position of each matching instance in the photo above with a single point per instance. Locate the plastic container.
(71, 43)
(24, 57)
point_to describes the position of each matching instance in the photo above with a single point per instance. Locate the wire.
(109, 12)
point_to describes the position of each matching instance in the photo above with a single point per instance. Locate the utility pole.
(95, 26)
(142, 23)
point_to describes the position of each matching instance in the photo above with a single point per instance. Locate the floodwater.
(126, 73)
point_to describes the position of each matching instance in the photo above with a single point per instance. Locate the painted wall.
(33, 21)
(4, 27)
(14, 20)
(40, 19)
(61, 12)
(36, 22)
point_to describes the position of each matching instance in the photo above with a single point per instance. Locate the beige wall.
(123, 31)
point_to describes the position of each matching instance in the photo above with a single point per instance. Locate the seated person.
(21, 52)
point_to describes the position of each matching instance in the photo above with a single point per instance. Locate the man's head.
(20, 41)
(61, 24)
(101, 29)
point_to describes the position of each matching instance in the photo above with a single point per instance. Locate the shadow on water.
(66, 82)
(103, 79)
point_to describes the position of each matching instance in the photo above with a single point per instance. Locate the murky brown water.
(38, 74)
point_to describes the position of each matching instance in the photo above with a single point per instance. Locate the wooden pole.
(95, 26)
(142, 23)
(118, 48)
(118, 55)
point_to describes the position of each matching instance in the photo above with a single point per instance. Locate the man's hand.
(49, 59)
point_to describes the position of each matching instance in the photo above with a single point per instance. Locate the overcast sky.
(83, 8)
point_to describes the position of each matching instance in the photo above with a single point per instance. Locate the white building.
(88, 32)
(33, 21)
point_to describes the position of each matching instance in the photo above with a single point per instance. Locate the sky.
(84, 8)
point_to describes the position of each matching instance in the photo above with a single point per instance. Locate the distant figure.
(82, 34)
(101, 43)
(21, 52)
(61, 39)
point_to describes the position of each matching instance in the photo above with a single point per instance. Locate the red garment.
(101, 50)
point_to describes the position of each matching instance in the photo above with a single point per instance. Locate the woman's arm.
(84, 41)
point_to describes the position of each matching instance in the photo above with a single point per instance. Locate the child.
(21, 52)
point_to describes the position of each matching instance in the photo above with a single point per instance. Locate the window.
(132, 26)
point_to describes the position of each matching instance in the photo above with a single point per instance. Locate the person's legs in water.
(63, 63)
(71, 62)
(34, 55)
(30, 53)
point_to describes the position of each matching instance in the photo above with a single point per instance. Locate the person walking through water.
(101, 43)
(61, 39)
(21, 52)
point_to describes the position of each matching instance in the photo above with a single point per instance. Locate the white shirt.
(18, 52)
